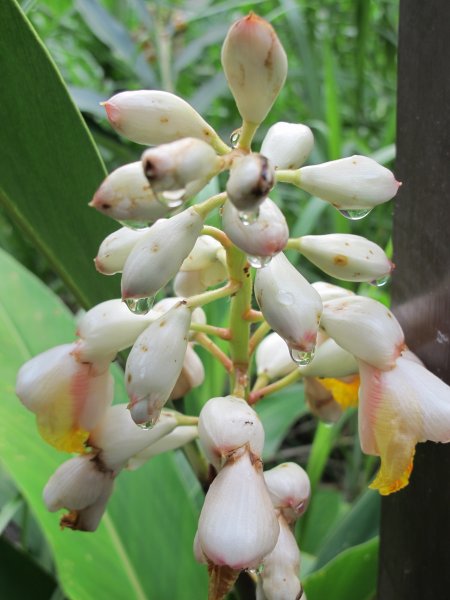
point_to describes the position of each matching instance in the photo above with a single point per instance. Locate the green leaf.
(351, 575)
(49, 166)
(278, 413)
(153, 513)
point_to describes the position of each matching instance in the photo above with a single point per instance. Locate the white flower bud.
(321, 401)
(159, 255)
(68, 397)
(163, 306)
(365, 328)
(290, 305)
(205, 266)
(237, 525)
(356, 182)
(115, 248)
(289, 489)
(155, 363)
(251, 179)
(192, 374)
(255, 65)
(188, 283)
(172, 166)
(282, 566)
(198, 552)
(226, 424)
(107, 329)
(330, 360)
(264, 236)
(119, 438)
(153, 117)
(175, 439)
(329, 291)
(80, 484)
(287, 145)
(346, 256)
(202, 255)
(126, 195)
(273, 358)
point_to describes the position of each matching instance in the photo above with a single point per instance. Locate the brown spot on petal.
(340, 260)
(163, 322)
(129, 378)
(164, 119)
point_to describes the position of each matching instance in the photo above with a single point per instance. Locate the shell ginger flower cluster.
(342, 345)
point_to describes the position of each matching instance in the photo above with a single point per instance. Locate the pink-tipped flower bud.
(83, 486)
(107, 329)
(118, 438)
(356, 182)
(226, 424)
(115, 249)
(171, 167)
(290, 305)
(153, 117)
(238, 526)
(126, 195)
(289, 489)
(175, 439)
(273, 358)
(345, 256)
(251, 179)
(365, 328)
(282, 567)
(155, 363)
(287, 145)
(192, 374)
(159, 255)
(263, 237)
(255, 65)
(67, 397)
(328, 291)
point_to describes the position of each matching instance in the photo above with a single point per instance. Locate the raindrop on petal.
(285, 298)
(134, 224)
(355, 214)
(258, 262)
(248, 217)
(235, 137)
(300, 357)
(147, 425)
(139, 306)
(172, 198)
(381, 281)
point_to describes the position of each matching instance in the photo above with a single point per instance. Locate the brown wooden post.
(415, 522)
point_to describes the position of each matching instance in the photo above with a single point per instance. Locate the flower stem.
(203, 340)
(261, 381)
(275, 386)
(204, 208)
(293, 244)
(200, 299)
(288, 176)
(217, 234)
(258, 336)
(221, 332)
(248, 130)
(254, 316)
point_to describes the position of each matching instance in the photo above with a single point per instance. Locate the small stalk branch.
(218, 235)
(205, 342)
(207, 297)
(276, 386)
(293, 244)
(222, 332)
(204, 208)
(258, 336)
(254, 316)
(288, 176)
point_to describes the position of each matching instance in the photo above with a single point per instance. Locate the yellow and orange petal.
(344, 390)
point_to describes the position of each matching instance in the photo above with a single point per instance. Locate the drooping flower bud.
(82, 485)
(68, 397)
(263, 237)
(237, 525)
(155, 363)
(290, 305)
(273, 358)
(327, 398)
(153, 117)
(356, 182)
(397, 409)
(328, 291)
(175, 439)
(126, 195)
(365, 328)
(188, 283)
(115, 248)
(251, 179)
(163, 306)
(289, 489)
(107, 329)
(255, 65)
(287, 145)
(205, 266)
(345, 256)
(282, 566)
(171, 167)
(192, 374)
(330, 360)
(226, 424)
(159, 255)
(118, 438)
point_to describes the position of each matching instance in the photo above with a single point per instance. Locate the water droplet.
(139, 306)
(381, 281)
(132, 224)
(355, 214)
(235, 137)
(172, 198)
(300, 357)
(258, 262)
(285, 298)
(248, 217)
(147, 425)
(256, 571)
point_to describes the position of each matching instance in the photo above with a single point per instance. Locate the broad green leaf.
(49, 166)
(153, 513)
(352, 575)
